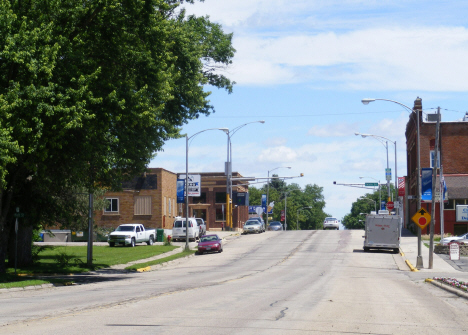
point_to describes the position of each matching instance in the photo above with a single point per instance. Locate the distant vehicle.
(253, 226)
(259, 219)
(179, 229)
(202, 225)
(331, 223)
(447, 240)
(130, 234)
(210, 243)
(275, 226)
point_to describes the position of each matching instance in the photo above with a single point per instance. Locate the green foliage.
(90, 91)
(296, 201)
(355, 220)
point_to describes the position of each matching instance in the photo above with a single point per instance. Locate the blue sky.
(303, 66)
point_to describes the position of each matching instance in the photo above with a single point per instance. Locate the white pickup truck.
(130, 234)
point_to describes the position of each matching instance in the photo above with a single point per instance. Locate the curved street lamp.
(380, 191)
(187, 138)
(228, 169)
(268, 188)
(366, 101)
(377, 137)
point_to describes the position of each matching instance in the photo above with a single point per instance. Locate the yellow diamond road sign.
(421, 218)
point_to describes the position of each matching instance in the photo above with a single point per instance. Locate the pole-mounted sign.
(421, 218)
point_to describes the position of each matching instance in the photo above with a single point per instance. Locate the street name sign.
(421, 218)
(371, 184)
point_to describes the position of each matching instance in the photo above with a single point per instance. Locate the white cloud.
(275, 141)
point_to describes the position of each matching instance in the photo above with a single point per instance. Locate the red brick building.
(209, 206)
(453, 155)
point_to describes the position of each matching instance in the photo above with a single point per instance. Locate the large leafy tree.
(89, 92)
(303, 206)
(369, 202)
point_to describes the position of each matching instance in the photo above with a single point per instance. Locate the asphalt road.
(316, 282)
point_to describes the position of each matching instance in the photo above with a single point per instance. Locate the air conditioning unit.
(432, 117)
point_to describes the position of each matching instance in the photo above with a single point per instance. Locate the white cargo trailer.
(382, 232)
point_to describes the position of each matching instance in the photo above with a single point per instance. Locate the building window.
(164, 205)
(112, 205)
(142, 205)
(174, 206)
(219, 213)
(460, 201)
(450, 204)
(220, 197)
(432, 159)
(201, 199)
(170, 207)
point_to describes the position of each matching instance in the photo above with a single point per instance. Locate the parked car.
(447, 240)
(275, 226)
(179, 229)
(331, 223)
(202, 225)
(259, 219)
(253, 226)
(210, 243)
(130, 234)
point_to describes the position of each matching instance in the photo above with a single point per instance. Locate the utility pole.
(434, 189)
(419, 260)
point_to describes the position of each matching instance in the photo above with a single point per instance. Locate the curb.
(412, 268)
(461, 294)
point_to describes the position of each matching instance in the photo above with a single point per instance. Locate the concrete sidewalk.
(442, 265)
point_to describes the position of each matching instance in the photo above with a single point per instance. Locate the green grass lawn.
(73, 259)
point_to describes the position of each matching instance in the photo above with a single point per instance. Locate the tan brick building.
(149, 199)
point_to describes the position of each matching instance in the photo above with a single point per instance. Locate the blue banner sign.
(426, 184)
(180, 191)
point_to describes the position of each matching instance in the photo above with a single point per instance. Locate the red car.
(210, 243)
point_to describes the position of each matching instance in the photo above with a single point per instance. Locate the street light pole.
(268, 189)
(297, 216)
(378, 137)
(419, 260)
(375, 203)
(187, 138)
(380, 191)
(229, 171)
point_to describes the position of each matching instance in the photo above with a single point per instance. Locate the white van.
(179, 232)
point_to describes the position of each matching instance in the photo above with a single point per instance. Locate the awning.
(457, 186)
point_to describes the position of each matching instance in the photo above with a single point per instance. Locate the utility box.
(159, 235)
(382, 232)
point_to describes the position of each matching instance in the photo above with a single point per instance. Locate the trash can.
(160, 235)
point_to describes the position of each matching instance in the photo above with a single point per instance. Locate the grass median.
(160, 260)
(73, 259)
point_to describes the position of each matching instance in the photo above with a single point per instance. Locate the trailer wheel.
(396, 250)
(366, 249)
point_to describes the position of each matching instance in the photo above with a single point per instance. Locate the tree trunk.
(24, 249)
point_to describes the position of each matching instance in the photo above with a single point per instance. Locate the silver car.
(252, 226)
(331, 223)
